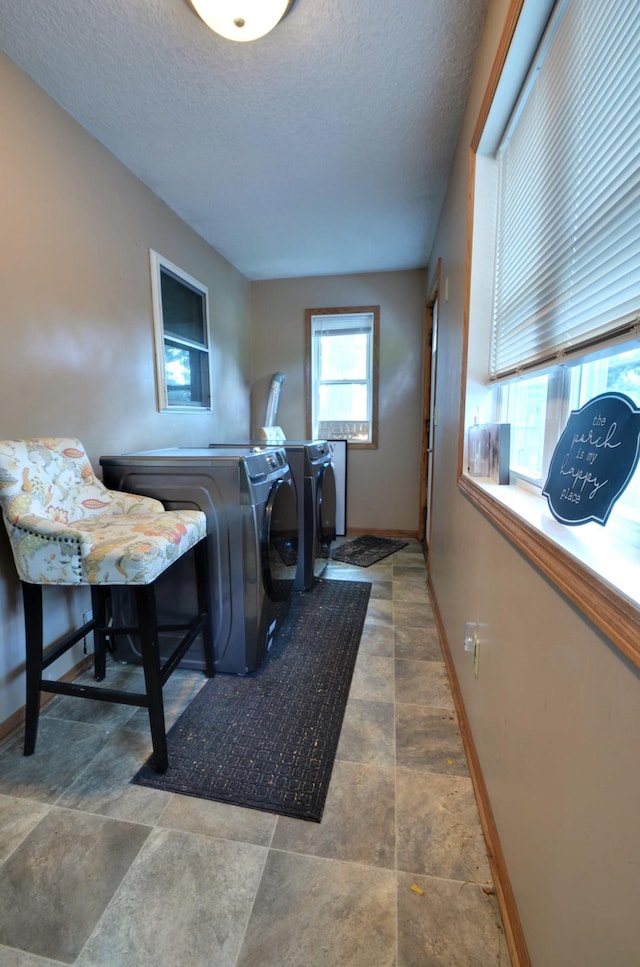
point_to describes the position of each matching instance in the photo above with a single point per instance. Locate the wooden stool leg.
(32, 599)
(150, 648)
(99, 598)
(203, 582)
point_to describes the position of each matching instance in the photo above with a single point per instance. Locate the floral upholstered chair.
(66, 528)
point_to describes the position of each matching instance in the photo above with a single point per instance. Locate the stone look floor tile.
(413, 572)
(379, 613)
(412, 549)
(182, 687)
(337, 571)
(421, 644)
(412, 582)
(377, 640)
(367, 734)
(377, 572)
(410, 614)
(413, 591)
(408, 565)
(105, 785)
(340, 572)
(17, 818)
(382, 590)
(185, 900)
(18, 958)
(358, 823)
(428, 740)
(106, 714)
(439, 831)
(217, 819)
(321, 913)
(187, 881)
(372, 678)
(63, 750)
(422, 683)
(56, 885)
(452, 924)
(374, 572)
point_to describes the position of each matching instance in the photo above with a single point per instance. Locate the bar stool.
(66, 528)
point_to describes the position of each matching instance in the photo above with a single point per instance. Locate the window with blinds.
(555, 181)
(568, 244)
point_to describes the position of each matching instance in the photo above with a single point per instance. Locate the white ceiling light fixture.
(242, 19)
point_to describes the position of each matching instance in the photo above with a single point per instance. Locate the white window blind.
(568, 246)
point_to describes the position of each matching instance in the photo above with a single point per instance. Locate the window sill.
(185, 409)
(599, 575)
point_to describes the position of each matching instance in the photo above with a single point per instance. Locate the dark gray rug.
(268, 740)
(366, 550)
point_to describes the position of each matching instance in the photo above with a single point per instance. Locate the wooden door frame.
(427, 416)
(426, 421)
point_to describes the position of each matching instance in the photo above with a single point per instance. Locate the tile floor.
(97, 872)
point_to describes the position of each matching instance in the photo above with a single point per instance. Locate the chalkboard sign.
(594, 459)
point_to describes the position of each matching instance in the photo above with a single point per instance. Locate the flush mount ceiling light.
(242, 19)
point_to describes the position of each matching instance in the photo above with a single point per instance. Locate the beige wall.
(382, 484)
(555, 711)
(75, 315)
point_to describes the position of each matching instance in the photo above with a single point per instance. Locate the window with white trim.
(181, 330)
(342, 374)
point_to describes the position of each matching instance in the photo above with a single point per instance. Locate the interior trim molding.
(514, 934)
(500, 59)
(608, 609)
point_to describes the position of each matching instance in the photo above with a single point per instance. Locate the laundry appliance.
(249, 499)
(312, 470)
(311, 466)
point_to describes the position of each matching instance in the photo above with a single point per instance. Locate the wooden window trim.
(375, 311)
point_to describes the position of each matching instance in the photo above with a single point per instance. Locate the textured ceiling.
(322, 148)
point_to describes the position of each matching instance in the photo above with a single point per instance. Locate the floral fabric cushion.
(66, 527)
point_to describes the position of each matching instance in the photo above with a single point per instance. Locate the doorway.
(433, 369)
(429, 420)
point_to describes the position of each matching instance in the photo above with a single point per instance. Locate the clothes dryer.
(311, 467)
(312, 470)
(249, 499)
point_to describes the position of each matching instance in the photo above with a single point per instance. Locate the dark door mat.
(366, 550)
(268, 740)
